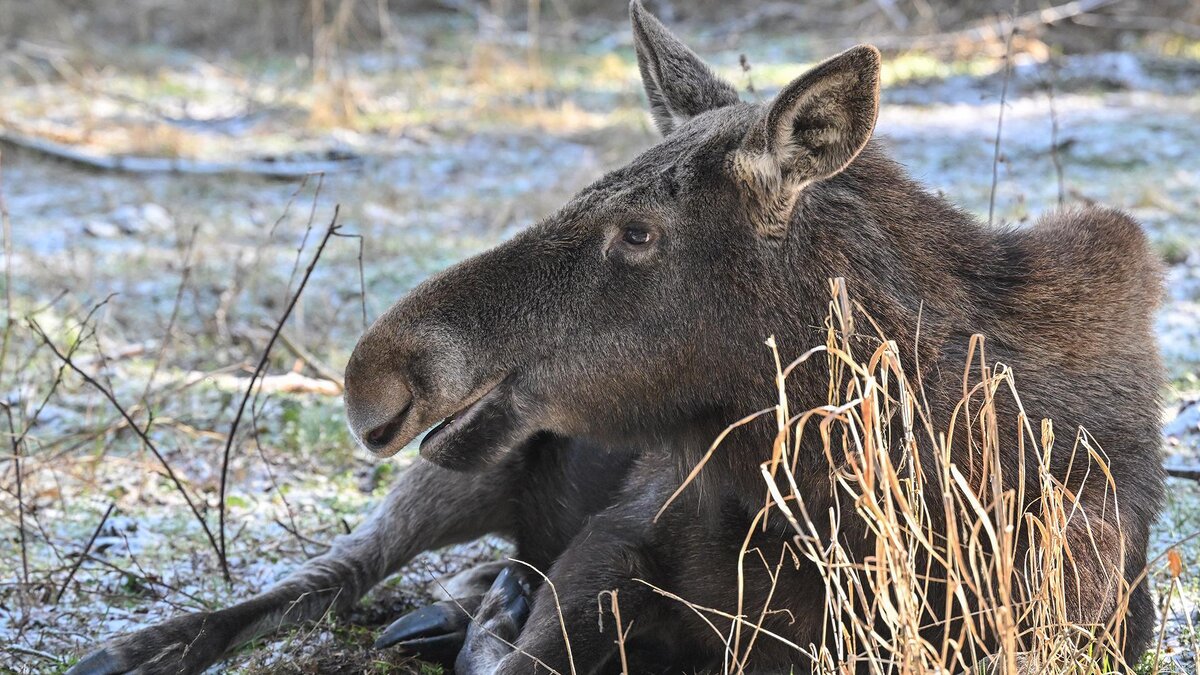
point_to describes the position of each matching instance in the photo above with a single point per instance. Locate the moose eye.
(636, 234)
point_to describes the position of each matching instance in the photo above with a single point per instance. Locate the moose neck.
(868, 223)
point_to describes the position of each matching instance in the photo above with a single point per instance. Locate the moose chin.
(568, 380)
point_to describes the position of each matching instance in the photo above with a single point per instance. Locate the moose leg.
(428, 508)
(602, 558)
(436, 632)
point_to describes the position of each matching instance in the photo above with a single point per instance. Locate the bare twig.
(86, 550)
(287, 206)
(615, 608)
(142, 435)
(58, 375)
(153, 582)
(6, 225)
(308, 226)
(258, 371)
(1185, 472)
(744, 62)
(184, 276)
(304, 540)
(362, 279)
(319, 367)
(33, 652)
(262, 453)
(1000, 117)
(16, 455)
(1054, 150)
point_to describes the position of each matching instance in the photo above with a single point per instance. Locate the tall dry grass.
(953, 546)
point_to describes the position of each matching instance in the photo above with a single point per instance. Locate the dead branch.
(258, 372)
(134, 164)
(1186, 472)
(262, 453)
(321, 368)
(1000, 118)
(6, 228)
(142, 435)
(184, 277)
(16, 455)
(288, 383)
(34, 652)
(86, 550)
(1055, 155)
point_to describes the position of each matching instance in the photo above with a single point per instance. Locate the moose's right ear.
(678, 84)
(812, 130)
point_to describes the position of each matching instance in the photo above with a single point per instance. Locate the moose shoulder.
(574, 375)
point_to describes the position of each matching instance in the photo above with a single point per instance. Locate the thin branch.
(184, 276)
(6, 226)
(362, 279)
(258, 371)
(262, 453)
(1185, 472)
(86, 550)
(1055, 156)
(142, 435)
(1000, 119)
(308, 226)
(16, 454)
(319, 367)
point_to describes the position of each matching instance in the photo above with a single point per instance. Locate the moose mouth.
(470, 438)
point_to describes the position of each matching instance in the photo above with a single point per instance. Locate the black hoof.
(434, 633)
(508, 599)
(497, 625)
(97, 663)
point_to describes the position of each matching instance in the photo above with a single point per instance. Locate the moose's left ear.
(813, 129)
(678, 84)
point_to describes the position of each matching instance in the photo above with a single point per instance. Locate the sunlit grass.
(1011, 606)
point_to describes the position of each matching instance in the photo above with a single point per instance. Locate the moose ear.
(678, 84)
(813, 129)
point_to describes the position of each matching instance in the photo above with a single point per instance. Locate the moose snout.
(405, 374)
(378, 402)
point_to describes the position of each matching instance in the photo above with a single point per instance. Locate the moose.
(568, 379)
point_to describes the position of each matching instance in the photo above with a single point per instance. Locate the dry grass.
(1003, 558)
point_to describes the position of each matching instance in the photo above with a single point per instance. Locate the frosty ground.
(460, 148)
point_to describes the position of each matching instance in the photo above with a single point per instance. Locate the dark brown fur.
(602, 369)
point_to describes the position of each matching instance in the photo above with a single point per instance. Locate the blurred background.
(169, 171)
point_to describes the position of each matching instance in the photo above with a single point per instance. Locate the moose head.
(637, 312)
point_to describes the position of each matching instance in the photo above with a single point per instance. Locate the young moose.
(582, 368)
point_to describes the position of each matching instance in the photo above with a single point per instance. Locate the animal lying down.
(570, 378)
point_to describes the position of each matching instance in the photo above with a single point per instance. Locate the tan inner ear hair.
(767, 194)
(827, 107)
(773, 165)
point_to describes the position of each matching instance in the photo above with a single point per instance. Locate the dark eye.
(636, 234)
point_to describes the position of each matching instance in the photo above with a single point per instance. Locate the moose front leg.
(514, 634)
(428, 508)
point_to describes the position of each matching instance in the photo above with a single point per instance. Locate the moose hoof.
(497, 624)
(434, 633)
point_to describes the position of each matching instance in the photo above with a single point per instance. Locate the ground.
(461, 143)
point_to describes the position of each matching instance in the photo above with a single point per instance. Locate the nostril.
(382, 435)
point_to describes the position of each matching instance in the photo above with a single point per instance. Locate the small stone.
(101, 229)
